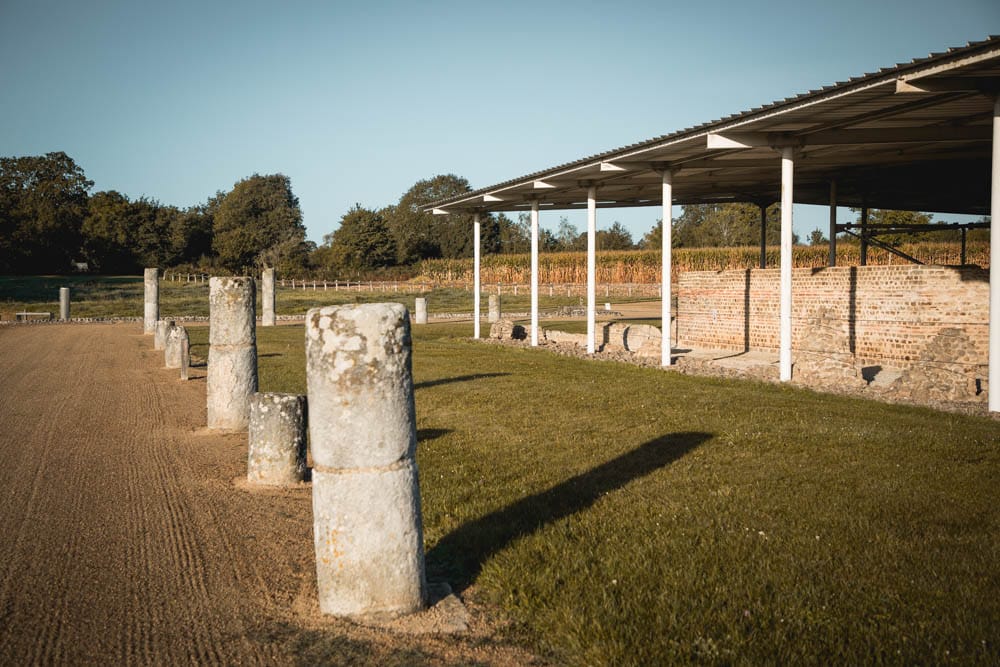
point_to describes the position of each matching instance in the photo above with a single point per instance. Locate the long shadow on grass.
(460, 555)
(459, 378)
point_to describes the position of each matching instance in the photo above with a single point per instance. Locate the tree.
(421, 235)
(259, 221)
(107, 233)
(882, 216)
(614, 238)
(725, 225)
(360, 244)
(816, 237)
(43, 201)
(567, 234)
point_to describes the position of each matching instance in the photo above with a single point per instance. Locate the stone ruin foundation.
(151, 299)
(232, 352)
(276, 454)
(366, 498)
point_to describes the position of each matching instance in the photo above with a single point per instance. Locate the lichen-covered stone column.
(421, 308)
(366, 499)
(267, 298)
(232, 351)
(63, 303)
(163, 328)
(176, 347)
(277, 449)
(494, 314)
(151, 302)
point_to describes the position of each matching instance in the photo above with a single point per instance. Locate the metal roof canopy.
(917, 136)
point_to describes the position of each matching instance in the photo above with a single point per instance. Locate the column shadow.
(459, 378)
(460, 555)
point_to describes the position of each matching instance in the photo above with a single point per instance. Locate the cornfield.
(643, 266)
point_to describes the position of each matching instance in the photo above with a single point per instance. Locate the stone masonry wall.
(880, 314)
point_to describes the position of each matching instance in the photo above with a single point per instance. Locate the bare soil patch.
(126, 540)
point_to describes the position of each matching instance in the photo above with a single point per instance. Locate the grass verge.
(630, 516)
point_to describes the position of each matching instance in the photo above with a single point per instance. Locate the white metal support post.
(591, 268)
(475, 279)
(666, 267)
(993, 395)
(785, 319)
(534, 272)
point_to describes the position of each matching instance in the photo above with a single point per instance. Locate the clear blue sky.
(356, 101)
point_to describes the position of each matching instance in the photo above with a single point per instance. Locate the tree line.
(50, 220)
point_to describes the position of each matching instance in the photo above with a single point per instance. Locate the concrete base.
(369, 542)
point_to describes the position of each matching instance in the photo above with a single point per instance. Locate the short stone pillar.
(267, 298)
(176, 345)
(495, 314)
(161, 332)
(277, 450)
(232, 351)
(151, 302)
(362, 426)
(63, 303)
(421, 308)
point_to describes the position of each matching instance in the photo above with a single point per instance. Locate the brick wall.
(882, 314)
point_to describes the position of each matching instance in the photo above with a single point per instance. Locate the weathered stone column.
(63, 303)
(366, 498)
(151, 303)
(267, 298)
(277, 450)
(163, 328)
(421, 308)
(232, 351)
(175, 348)
(495, 314)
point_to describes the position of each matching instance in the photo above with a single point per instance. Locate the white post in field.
(475, 280)
(785, 320)
(665, 268)
(591, 268)
(534, 272)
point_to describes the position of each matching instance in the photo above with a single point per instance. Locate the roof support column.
(475, 279)
(534, 272)
(785, 320)
(993, 395)
(763, 235)
(832, 259)
(863, 260)
(591, 268)
(666, 267)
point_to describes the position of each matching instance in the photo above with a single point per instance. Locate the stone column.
(277, 450)
(175, 348)
(494, 315)
(421, 308)
(151, 304)
(362, 427)
(161, 332)
(63, 303)
(185, 357)
(267, 298)
(232, 352)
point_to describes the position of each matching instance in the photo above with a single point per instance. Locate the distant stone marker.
(176, 347)
(160, 333)
(232, 352)
(495, 313)
(151, 300)
(64, 303)
(421, 308)
(267, 297)
(362, 425)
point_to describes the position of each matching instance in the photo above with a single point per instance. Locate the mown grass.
(122, 296)
(628, 516)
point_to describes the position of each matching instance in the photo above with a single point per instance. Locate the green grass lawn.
(619, 515)
(122, 296)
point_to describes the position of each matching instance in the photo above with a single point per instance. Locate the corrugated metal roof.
(800, 108)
